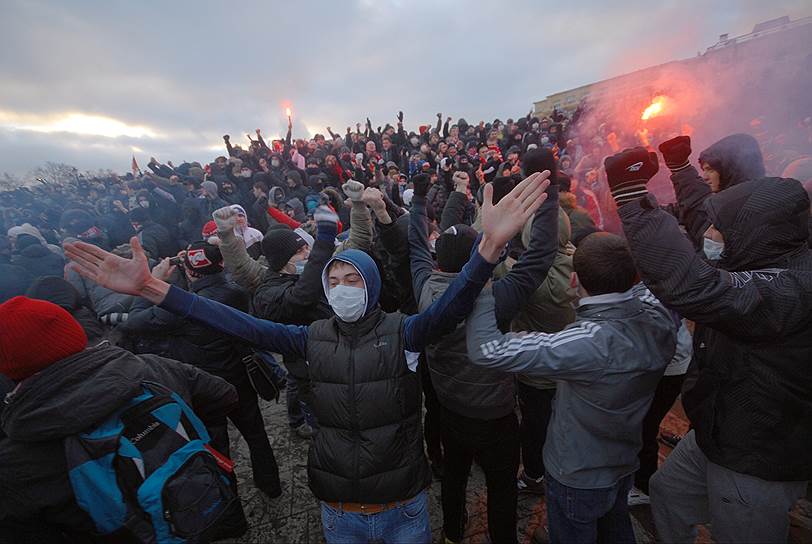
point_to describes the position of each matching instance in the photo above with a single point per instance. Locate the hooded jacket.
(67, 398)
(157, 241)
(366, 393)
(751, 406)
(737, 158)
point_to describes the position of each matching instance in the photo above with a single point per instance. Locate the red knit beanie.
(35, 334)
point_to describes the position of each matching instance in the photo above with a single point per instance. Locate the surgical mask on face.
(347, 302)
(300, 266)
(144, 203)
(246, 173)
(713, 249)
(414, 141)
(275, 163)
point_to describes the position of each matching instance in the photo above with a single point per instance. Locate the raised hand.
(225, 218)
(628, 172)
(373, 197)
(461, 181)
(676, 152)
(128, 276)
(501, 222)
(354, 190)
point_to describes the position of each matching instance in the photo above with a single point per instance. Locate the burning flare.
(654, 109)
(287, 112)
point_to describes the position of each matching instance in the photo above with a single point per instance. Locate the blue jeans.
(577, 516)
(406, 524)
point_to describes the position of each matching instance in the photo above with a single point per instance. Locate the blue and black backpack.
(148, 474)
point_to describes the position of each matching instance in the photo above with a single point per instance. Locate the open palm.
(502, 221)
(118, 274)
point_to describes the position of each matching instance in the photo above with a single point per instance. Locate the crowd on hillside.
(510, 293)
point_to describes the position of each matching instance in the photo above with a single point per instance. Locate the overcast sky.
(91, 83)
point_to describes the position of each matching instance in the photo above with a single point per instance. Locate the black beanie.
(203, 258)
(454, 247)
(76, 222)
(139, 215)
(279, 245)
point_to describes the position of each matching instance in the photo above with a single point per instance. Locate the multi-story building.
(779, 44)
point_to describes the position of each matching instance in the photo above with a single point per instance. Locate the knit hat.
(139, 215)
(35, 334)
(454, 247)
(210, 187)
(279, 245)
(203, 258)
(209, 229)
(76, 222)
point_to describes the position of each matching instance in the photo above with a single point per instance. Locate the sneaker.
(305, 431)
(638, 498)
(527, 484)
(669, 439)
(541, 536)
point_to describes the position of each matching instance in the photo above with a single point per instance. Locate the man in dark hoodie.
(732, 160)
(37, 259)
(478, 417)
(63, 388)
(155, 239)
(367, 464)
(746, 460)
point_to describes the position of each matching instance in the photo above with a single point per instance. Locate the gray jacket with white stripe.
(606, 367)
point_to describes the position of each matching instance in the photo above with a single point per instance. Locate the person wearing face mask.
(745, 461)
(366, 465)
(212, 351)
(732, 160)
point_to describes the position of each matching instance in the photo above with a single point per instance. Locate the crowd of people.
(507, 293)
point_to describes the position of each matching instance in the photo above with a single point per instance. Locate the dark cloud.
(193, 70)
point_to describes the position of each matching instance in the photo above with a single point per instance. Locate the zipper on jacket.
(355, 429)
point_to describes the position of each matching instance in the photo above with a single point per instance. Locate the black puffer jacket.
(751, 407)
(188, 341)
(62, 400)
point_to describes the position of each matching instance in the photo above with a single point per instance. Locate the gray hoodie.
(606, 367)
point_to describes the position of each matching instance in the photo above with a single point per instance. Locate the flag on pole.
(135, 168)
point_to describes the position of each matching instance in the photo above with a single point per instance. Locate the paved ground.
(295, 517)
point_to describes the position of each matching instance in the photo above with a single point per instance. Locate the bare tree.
(9, 182)
(56, 172)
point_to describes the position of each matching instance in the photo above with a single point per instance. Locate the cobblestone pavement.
(295, 517)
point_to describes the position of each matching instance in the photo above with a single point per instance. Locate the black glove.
(628, 172)
(421, 185)
(676, 152)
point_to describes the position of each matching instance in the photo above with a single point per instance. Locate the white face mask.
(347, 302)
(300, 266)
(713, 249)
(275, 163)
(144, 204)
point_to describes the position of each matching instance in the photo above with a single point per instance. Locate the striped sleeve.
(578, 352)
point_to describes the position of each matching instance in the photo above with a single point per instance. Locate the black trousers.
(248, 420)
(664, 396)
(495, 446)
(431, 420)
(537, 408)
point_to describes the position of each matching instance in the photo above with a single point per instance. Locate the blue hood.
(366, 267)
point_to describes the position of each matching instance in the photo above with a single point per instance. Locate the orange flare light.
(287, 112)
(654, 109)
